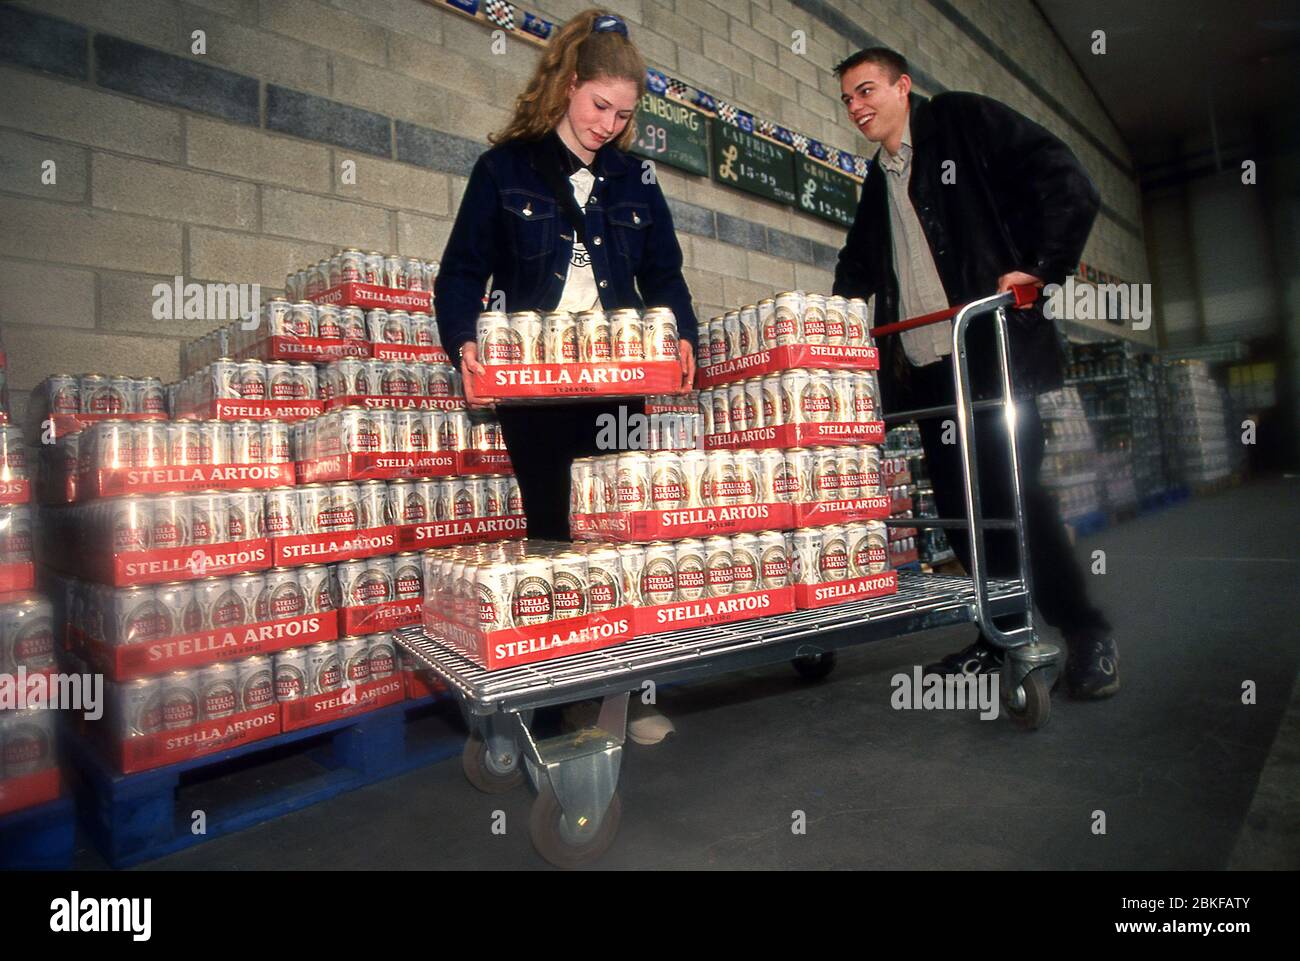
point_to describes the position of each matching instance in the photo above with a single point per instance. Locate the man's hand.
(469, 365)
(686, 355)
(1018, 278)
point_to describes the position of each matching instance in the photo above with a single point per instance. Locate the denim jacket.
(511, 229)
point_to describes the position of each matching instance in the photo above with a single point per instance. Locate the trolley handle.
(1022, 294)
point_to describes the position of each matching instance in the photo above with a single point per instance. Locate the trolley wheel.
(814, 667)
(556, 841)
(484, 772)
(1031, 706)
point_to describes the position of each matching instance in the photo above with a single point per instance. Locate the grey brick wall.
(226, 166)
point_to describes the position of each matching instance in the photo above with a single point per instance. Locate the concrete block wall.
(227, 166)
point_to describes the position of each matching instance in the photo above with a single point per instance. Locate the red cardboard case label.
(379, 617)
(416, 353)
(706, 612)
(821, 513)
(494, 650)
(207, 737)
(484, 462)
(636, 526)
(836, 434)
(345, 702)
(343, 467)
(518, 381)
(372, 295)
(423, 683)
(129, 661)
(17, 577)
(298, 549)
(309, 349)
(18, 793)
(230, 408)
(200, 477)
(15, 491)
(177, 563)
(815, 356)
(811, 596)
(383, 402)
(416, 537)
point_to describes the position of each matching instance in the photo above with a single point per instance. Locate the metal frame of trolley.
(577, 810)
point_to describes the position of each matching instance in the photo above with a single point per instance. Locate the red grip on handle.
(1025, 294)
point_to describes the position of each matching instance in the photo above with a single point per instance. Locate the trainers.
(1092, 666)
(646, 726)
(980, 658)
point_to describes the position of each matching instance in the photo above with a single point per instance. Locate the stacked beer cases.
(28, 767)
(789, 480)
(1070, 462)
(903, 469)
(529, 356)
(1195, 419)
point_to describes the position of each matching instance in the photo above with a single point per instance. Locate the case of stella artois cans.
(17, 572)
(793, 329)
(29, 773)
(520, 602)
(594, 353)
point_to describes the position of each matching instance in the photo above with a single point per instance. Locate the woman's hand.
(469, 365)
(1018, 278)
(686, 354)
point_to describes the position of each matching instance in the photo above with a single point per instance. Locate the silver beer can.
(749, 477)
(408, 576)
(659, 330)
(814, 319)
(633, 558)
(806, 556)
(819, 401)
(281, 514)
(795, 385)
(319, 588)
(765, 310)
(352, 324)
(787, 320)
(720, 399)
(773, 561)
(850, 473)
(594, 345)
(209, 518)
(218, 691)
(717, 341)
(342, 509)
(668, 490)
(604, 580)
(149, 444)
(534, 597)
(719, 577)
(170, 522)
(569, 571)
(178, 611)
(736, 410)
(633, 484)
(354, 659)
(282, 596)
(255, 679)
(383, 655)
(527, 331)
(774, 485)
(181, 700)
(245, 442)
(498, 344)
(835, 553)
(837, 317)
(366, 582)
(859, 324)
(130, 522)
(826, 474)
(751, 337)
(291, 674)
(674, 572)
(755, 409)
(626, 335)
(220, 605)
(695, 476)
(324, 669)
(372, 503)
(250, 586)
(252, 380)
(494, 592)
(560, 338)
(137, 707)
(720, 487)
(275, 442)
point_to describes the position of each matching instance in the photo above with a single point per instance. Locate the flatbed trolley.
(577, 810)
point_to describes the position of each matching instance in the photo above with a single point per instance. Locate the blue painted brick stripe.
(315, 118)
(31, 40)
(166, 78)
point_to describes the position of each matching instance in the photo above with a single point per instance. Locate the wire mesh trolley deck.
(577, 810)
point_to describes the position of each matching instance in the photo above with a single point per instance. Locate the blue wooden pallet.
(138, 817)
(39, 838)
(1089, 523)
(909, 566)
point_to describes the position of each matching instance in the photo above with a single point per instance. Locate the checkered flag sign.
(860, 165)
(678, 89)
(500, 13)
(800, 142)
(727, 113)
(767, 128)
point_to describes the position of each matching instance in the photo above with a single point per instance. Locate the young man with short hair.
(966, 197)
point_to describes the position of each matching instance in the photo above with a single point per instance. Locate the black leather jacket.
(1020, 201)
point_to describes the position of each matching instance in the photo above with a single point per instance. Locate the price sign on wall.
(755, 164)
(672, 133)
(826, 193)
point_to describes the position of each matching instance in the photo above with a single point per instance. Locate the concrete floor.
(1204, 597)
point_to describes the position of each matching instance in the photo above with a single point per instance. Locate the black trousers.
(1059, 589)
(544, 440)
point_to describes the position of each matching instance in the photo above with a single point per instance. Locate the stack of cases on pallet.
(1069, 471)
(902, 467)
(528, 354)
(1103, 374)
(791, 462)
(1195, 424)
(29, 772)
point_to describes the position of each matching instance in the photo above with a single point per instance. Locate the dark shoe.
(1092, 666)
(980, 658)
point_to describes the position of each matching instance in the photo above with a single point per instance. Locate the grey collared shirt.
(920, 291)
